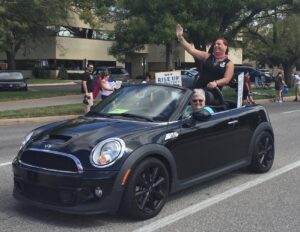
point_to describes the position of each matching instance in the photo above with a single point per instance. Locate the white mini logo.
(172, 135)
(48, 146)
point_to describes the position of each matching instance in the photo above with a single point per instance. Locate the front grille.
(39, 193)
(52, 161)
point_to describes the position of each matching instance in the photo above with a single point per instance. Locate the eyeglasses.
(197, 100)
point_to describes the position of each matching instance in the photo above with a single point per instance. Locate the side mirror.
(201, 115)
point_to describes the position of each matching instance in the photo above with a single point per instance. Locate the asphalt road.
(240, 201)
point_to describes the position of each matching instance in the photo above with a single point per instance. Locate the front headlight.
(107, 152)
(26, 139)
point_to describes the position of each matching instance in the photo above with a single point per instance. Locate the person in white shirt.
(107, 89)
(297, 86)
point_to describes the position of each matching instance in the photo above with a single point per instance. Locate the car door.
(220, 142)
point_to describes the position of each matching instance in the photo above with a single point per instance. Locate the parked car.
(117, 73)
(267, 73)
(12, 81)
(136, 147)
(253, 73)
(189, 77)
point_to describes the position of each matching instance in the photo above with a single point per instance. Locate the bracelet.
(216, 82)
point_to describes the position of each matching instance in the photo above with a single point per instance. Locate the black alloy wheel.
(263, 153)
(147, 190)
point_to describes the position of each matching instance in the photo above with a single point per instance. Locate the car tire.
(263, 152)
(147, 190)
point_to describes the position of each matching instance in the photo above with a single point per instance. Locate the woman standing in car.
(217, 69)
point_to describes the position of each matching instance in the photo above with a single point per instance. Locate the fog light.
(98, 192)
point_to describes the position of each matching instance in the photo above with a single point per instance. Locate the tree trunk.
(288, 70)
(11, 61)
(169, 56)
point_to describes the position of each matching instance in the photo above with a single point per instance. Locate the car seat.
(214, 99)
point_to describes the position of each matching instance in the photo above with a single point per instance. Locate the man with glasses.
(87, 88)
(198, 101)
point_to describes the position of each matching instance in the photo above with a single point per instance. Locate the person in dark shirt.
(87, 88)
(279, 86)
(247, 89)
(217, 70)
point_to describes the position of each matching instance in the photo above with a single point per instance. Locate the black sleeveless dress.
(211, 71)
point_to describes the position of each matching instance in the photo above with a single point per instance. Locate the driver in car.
(198, 101)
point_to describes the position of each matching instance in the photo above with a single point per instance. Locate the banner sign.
(169, 78)
(240, 90)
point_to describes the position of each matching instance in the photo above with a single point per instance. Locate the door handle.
(233, 122)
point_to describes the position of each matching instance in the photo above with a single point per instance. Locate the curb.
(13, 121)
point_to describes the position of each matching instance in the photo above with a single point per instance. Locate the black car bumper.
(12, 87)
(65, 192)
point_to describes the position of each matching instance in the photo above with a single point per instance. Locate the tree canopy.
(139, 22)
(277, 45)
(154, 21)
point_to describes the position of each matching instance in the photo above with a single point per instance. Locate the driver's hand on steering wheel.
(212, 85)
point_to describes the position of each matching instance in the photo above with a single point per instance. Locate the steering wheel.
(213, 96)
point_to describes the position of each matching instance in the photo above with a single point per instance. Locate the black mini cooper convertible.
(136, 147)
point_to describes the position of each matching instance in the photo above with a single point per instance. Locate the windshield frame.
(165, 110)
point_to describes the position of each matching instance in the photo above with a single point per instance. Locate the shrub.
(62, 74)
(41, 73)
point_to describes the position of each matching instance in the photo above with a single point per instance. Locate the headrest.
(209, 98)
(213, 97)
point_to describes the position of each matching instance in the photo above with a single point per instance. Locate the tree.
(154, 21)
(26, 21)
(278, 44)
(145, 22)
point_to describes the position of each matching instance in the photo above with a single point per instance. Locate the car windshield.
(11, 76)
(141, 102)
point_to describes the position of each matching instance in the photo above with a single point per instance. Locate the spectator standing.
(97, 86)
(87, 88)
(107, 89)
(297, 86)
(217, 70)
(247, 89)
(279, 86)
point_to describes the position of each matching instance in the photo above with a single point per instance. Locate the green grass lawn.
(23, 95)
(257, 93)
(76, 109)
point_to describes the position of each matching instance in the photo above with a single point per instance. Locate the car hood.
(83, 133)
